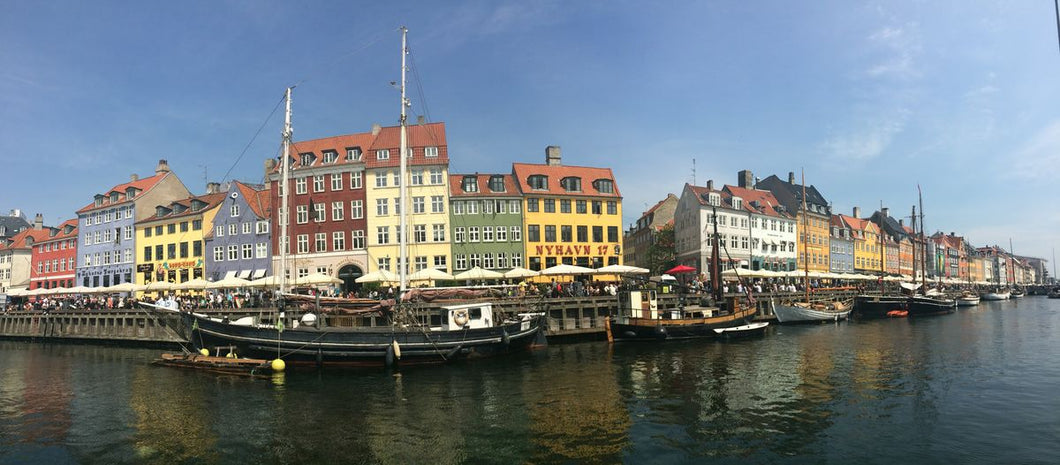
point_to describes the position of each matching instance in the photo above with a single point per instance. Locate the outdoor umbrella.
(621, 269)
(378, 276)
(478, 273)
(681, 269)
(519, 272)
(428, 274)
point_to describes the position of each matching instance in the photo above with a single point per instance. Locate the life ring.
(460, 317)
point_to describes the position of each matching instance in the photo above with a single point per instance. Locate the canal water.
(978, 386)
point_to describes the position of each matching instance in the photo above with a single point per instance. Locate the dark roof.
(890, 225)
(12, 225)
(790, 195)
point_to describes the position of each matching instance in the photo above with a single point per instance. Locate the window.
(183, 250)
(487, 260)
(382, 207)
(262, 227)
(417, 205)
(487, 207)
(147, 233)
(147, 253)
(537, 182)
(472, 207)
(248, 251)
(496, 183)
(357, 239)
(353, 154)
(307, 159)
(564, 206)
(420, 262)
(469, 184)
(533, 233)
(382, 234)
(501, 205)
(612, 208)
(487, 233)
(514, 206)
(127, 233)
(597, 207)
(436, 176)
(550, 233)
(300, 186)
(320, 244)
(159, 249)
(517, 234)
(383, 263)
(430, 152)
(247, 227)
(380, 179)
(319, 213)
(301, 214)
(437, 204)
(461, 261)
(318, 183)
(458, 234)
(583, 233)
(571, 184)
(458, 207)
(502, 234)
(233, 229)
(416, 178)
(502, 260)
(612, 234)
(438, 232)
(356, 209)
(302, 243)
(566, 234)
(472, 234)
(598, 233)
(531, 205)
(550, 205)
(419, 233)
(261, 250)
(337, 211)
(383, 154)
(196, 249)
(580, 207)
(170, 228)
(356, 180)
(604, 186)
(171, 251)
(336, 181)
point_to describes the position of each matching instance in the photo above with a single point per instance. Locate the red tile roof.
(211, 200)
(142, 185)
(456, 186)
(389, 138)
(522, 171)
(766, 201)
(257, 199)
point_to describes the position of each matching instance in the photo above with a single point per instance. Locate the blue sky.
(870, 98)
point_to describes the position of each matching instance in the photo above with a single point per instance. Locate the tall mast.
(805, 240)
(284, 207)
(715, 271)
(915, 240)
(923, 279)
(403, 237)
(883, 268)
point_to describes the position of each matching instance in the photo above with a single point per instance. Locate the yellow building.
(427, 196)
(813, 218)
(571, 214)
(171, 241)
(868, 253)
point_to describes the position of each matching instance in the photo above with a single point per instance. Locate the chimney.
(710, 184)
(745, 179)
(162, 167)
(213, 187)
(885, 212)
(376, 128)
(134, 177)
(420, 120)
(38, 222)
(857, 212)
(553, 156)
(901, 222)
(270, 166)
(791, 177)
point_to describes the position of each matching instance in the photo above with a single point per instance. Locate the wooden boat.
(803, 312)
(757, 328)
(968, 299)
(1055, 293)
(920, 305)
(228, 365)
(639, 317)
(870, 306)
(1017, 293)
(897, 314)
(999, 294)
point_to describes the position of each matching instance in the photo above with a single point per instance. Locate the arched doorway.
(349, 274)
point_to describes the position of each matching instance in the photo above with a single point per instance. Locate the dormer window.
(714, 199)
(99, 200)
(331, 156)
(737, 203)
(470, 183)
(353, 154)
(604, 186)
(113, 197)
(130, 192)
(430, 152)
(538, 182)
(383, 154)
(307, 159)
(571, 184)
(161, 211)
(496, 183)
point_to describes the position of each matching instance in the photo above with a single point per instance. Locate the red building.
(53, 259)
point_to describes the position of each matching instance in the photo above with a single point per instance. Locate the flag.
(312, 210)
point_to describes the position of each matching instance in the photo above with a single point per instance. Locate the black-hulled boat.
(920, 305)
(869, 307)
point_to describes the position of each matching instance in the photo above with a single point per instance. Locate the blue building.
(841, 246)
(106, 249)
(239, 242)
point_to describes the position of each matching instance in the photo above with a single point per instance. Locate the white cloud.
(867, 143)
(900, 47)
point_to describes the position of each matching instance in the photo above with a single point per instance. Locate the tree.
(662, 253)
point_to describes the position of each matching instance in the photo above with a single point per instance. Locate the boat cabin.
(466, 316)
(644, 304)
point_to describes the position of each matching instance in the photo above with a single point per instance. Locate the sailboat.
(639, 317)
(921, 304)
(407, 334)
(1000, 292)
(807, 311)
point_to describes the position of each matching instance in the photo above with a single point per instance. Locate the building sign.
(575, 250)
(145, 267)
(182, 264)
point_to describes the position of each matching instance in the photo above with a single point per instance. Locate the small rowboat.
(751, 329)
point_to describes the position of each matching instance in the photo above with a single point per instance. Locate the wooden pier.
(568, 318)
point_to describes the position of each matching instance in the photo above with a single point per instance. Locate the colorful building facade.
(487, 221)
(171, 242)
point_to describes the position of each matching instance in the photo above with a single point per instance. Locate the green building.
(486, 218)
